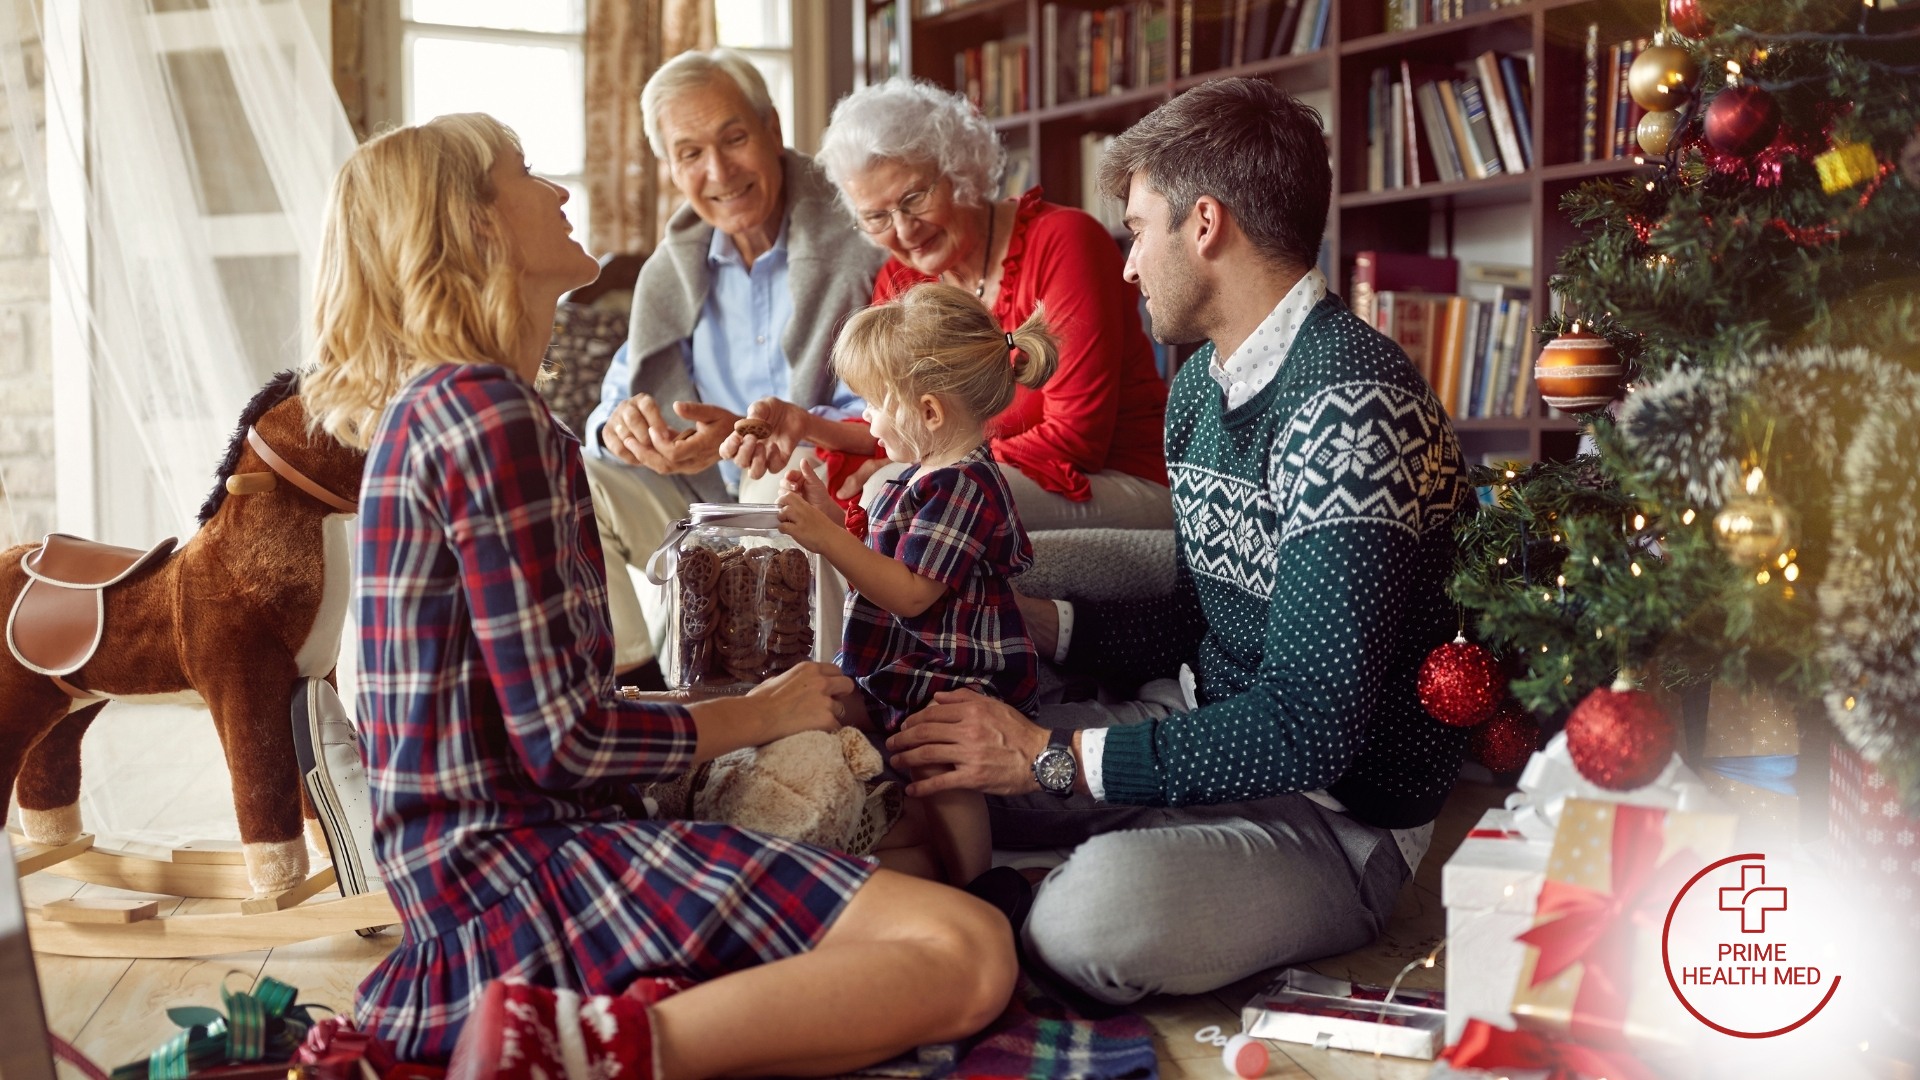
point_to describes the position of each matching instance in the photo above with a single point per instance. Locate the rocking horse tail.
(49, 783)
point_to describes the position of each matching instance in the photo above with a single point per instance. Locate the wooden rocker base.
(133, 930)
(214, 934)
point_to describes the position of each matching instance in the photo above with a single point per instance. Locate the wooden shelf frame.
(1552, 31)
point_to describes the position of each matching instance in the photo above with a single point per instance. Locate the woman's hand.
(856, 481)
(757, 455)
(802, 698)
(806, 513)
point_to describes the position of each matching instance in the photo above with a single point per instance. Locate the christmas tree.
(1750, 515)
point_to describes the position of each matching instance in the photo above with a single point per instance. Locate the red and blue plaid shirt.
(498, 756)
(957, 526)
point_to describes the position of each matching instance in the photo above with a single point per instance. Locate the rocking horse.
(241, 618)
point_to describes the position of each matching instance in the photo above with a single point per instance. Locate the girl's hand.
(806, 513)
(802, 698)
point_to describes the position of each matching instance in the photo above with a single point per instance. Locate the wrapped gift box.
(1489, 887)
(1751, 761)
(1611, 877)
(1875, 842)
(1306, 1007)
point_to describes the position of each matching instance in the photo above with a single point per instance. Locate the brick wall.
(26, 363)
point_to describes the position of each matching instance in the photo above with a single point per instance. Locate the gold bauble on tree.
(1656, 131)
(1578, 371)
(1662, 77)
(1752, 528)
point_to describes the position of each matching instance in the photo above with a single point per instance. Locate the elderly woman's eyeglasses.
(912, 205)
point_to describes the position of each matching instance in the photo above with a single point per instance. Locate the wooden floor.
(115, 1010)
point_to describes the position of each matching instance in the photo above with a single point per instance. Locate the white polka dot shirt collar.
(1254, 364)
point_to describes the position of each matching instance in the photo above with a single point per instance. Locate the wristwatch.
(1054, 769)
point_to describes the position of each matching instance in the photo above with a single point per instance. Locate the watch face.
(1054, 769)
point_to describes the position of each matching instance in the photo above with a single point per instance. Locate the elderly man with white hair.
(740, 302)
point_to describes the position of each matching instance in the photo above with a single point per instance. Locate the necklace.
(986, 257)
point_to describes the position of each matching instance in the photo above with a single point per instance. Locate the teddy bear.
(812, 787)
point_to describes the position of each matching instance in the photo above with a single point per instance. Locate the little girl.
(929, 603)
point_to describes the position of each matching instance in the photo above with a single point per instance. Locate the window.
(762, 30)
(521, 61)
(517, 60)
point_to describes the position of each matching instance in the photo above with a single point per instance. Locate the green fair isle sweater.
(1315, 538)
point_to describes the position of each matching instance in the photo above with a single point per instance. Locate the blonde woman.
(497, 747)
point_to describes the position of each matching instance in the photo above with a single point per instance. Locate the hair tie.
(1010, 348)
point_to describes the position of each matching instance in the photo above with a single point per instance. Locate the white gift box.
(1489, 887)
(1334, 1014)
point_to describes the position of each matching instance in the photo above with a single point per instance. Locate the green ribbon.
(260, 1024)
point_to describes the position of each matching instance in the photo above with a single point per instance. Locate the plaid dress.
(955, 525)
(498, 757)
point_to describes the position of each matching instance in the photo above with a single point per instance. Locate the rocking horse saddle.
(56, 622)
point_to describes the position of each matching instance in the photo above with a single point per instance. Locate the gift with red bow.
(1593, 970)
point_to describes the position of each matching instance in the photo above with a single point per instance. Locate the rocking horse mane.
(281, 387)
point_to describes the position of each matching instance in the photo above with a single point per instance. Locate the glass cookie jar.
(742, 598)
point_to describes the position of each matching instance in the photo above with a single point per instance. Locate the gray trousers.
(1187, 900)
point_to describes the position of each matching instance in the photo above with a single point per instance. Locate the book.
(1155, 44)
(1590, 97)
(1435, 132)
(1480, 138)
(1516, 74)
(1311, 12)
(1412, 320)
(1449, 345)
(1375, 272)
(1284, 28)
(1378, 129)
(1305, 1007)
(1500, 114)
(1448, 91)
(1422, 155)
(1259, 30)
(1186, 37)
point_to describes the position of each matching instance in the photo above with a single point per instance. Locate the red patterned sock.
(519, 1031)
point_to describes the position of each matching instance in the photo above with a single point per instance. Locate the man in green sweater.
(1274, 787)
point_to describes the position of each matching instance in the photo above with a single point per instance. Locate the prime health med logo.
(1742, 956)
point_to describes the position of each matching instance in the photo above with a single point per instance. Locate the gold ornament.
(1752, 529)
(1656, 132)
(1846, 165)
(1578, 372)
(1662, 77)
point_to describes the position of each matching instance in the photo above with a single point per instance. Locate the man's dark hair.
(1247, 143)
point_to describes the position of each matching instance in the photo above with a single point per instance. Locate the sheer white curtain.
(188, 149)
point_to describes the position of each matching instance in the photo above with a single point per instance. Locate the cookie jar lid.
(666, 558)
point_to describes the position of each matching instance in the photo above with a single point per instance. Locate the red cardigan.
(1105, 406)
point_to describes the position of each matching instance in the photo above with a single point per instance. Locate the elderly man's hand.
(984, 745)
(638, 434)
(757, 456)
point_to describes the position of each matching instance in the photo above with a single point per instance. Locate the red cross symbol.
(1752, 898)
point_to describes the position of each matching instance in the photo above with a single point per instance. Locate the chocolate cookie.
(792, 569)
(698, 569)
(752, 425)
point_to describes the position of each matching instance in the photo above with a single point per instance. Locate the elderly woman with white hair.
(918, 168)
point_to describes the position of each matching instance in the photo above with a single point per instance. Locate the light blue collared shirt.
(735, 352)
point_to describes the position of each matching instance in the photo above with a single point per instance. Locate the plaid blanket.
(1038, 1038)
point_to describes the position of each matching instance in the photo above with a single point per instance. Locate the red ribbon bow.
(1596, 928)
(1483, 1046)
(334, 1047)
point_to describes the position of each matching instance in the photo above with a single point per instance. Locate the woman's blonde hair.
(940, 340)
(414, 271)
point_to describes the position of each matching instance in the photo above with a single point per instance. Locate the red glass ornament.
(1461, 683)
(1508, 738)
(1620, 738)
(1742, 119)
(1688, 18)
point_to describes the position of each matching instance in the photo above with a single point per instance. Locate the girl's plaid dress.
(955, 525)
(498, 756)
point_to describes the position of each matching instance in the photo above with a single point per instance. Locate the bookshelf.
(1519, 208)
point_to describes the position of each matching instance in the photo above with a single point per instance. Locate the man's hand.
(806, 514)
(984, 745)
(802, 698)
(638, 434)
(1043, 624)
(758, 456)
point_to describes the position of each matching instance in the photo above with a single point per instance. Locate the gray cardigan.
(830, 270)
